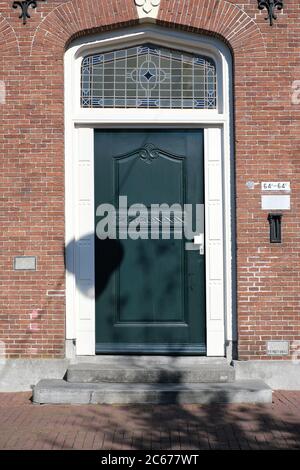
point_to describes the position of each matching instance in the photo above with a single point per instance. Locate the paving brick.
(163, 427)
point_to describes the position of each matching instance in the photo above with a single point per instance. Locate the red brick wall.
(267, 137)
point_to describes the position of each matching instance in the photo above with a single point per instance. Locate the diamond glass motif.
(148, 75)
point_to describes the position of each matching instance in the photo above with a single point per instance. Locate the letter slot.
(275, 227)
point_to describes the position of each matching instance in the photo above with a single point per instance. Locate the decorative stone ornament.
(147, 8)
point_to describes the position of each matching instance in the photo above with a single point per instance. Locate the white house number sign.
(275, 186)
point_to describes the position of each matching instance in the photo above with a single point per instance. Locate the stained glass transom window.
(148, 76)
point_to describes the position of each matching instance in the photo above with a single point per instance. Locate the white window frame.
(79, 179)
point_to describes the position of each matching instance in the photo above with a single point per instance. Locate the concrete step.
(62, 392)
(117, 360)
(150, 373)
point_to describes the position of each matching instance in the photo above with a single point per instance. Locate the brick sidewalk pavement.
(168, 427)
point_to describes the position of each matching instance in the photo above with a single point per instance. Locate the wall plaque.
(25, 263)
(278, 348)
(276, 202)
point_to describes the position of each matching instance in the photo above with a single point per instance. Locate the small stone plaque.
(275, 202)
(278, 348)
(25, 263)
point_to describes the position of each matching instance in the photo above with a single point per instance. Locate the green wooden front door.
(150, 293)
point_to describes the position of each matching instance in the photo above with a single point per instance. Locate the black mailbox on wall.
(275, 227)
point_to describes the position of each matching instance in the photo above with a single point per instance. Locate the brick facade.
(267, 148)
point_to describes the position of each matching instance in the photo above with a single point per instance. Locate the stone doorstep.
(61, 392)
(148, 373)
(146, 361)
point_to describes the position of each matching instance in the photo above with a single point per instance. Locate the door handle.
(197, 244)
(199, 241)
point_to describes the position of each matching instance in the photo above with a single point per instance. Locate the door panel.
(150, 293)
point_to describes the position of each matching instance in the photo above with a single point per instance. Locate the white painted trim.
(79, 124)
(214, 251)
(84, 247)
(157, 116)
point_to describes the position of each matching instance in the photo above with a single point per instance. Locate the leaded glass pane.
(148, 76)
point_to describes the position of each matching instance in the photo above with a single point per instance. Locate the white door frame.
(79, 180)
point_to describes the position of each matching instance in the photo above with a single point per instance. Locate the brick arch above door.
(220, 18)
